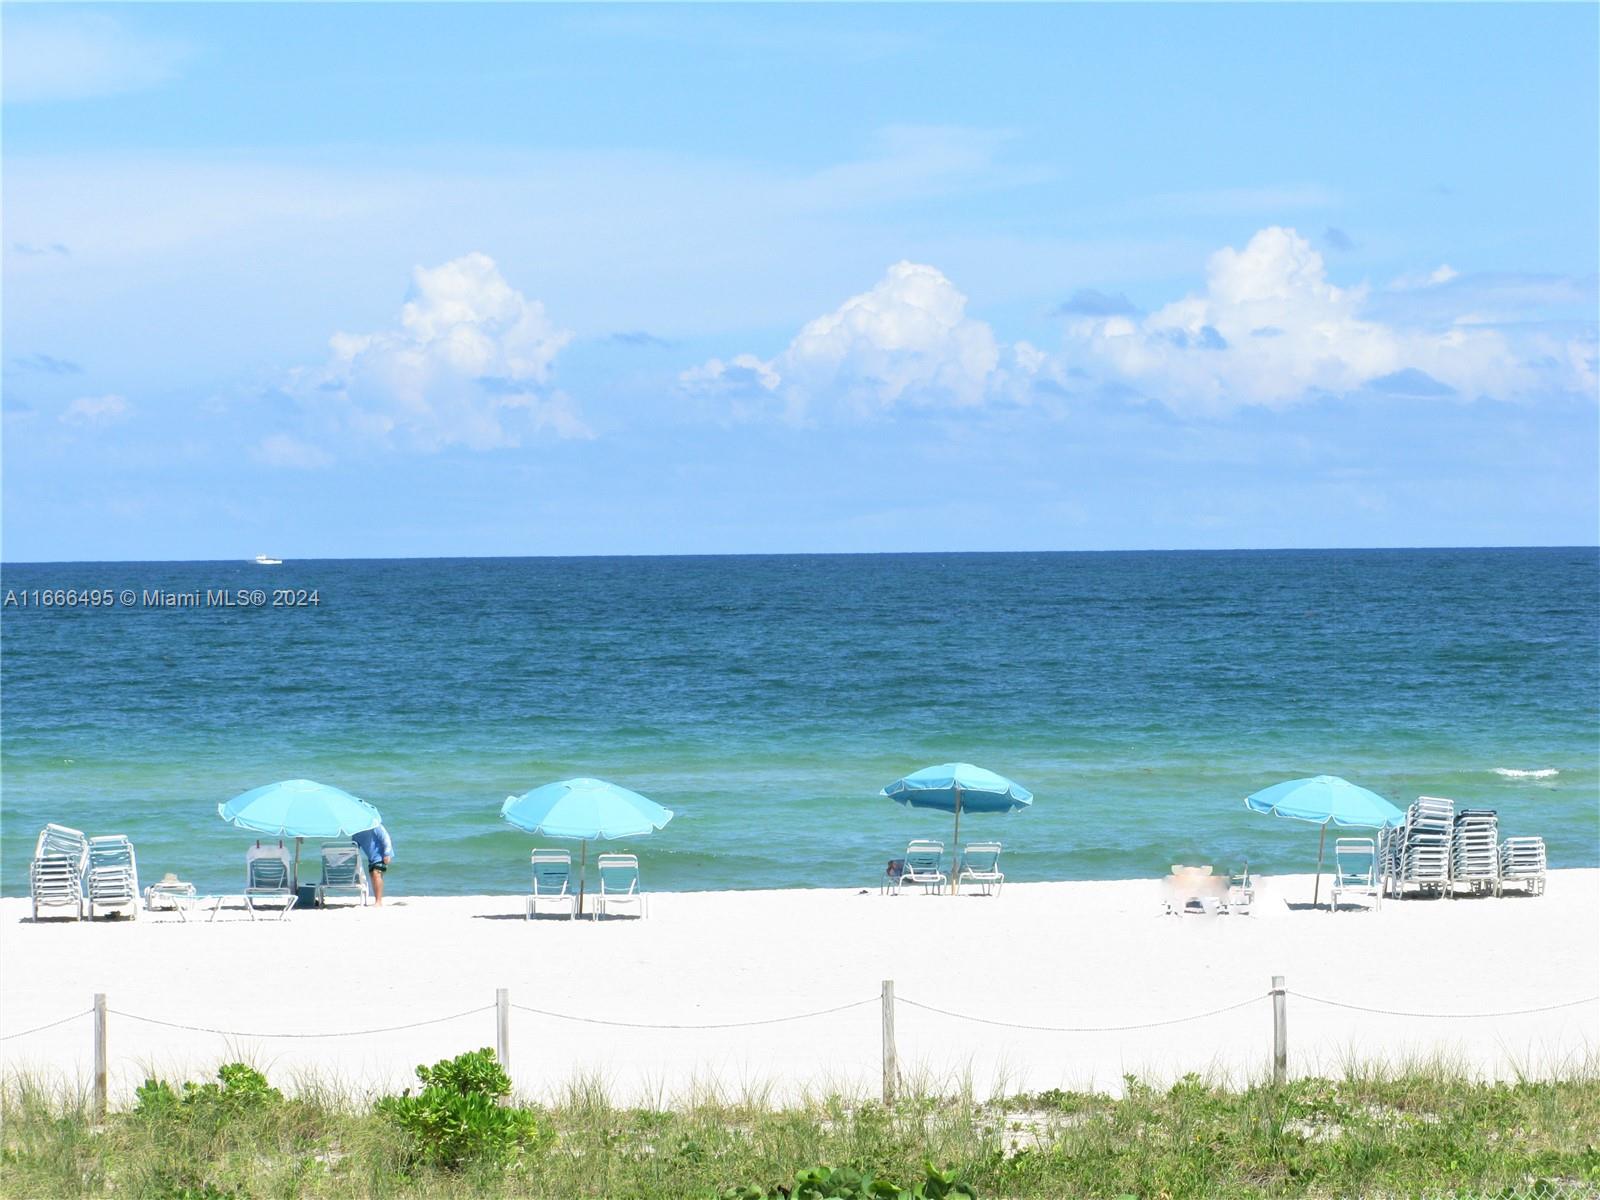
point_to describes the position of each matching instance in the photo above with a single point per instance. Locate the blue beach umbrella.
(1325, 800)
(957, 788)
(584, 809)
(299, 808)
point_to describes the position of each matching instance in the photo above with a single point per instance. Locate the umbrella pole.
(1316, 888)
(583, 864)
(955, 850)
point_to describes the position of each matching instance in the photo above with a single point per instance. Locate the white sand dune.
(1048, 954)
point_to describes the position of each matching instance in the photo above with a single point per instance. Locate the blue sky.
(411, 280)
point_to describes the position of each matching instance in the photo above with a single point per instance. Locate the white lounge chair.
(1241, 892)
(1475, 851)
(342, 874)
(1355, 870)
(168, 894)
(924, 865)
(1421, 859)
(980, 865)
(1194, 890)
(113, 875)
(619, 883)
(56, 874)
(552, 881)
(267, 879)
(1522, 864)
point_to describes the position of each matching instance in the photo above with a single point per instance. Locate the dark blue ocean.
(766, 699)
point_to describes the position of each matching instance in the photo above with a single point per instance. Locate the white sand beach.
(1043, 954)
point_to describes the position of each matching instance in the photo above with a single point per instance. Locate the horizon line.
(71, 562)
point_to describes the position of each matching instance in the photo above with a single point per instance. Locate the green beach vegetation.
(1420, 1132)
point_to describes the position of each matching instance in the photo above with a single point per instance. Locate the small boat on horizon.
(263, 561)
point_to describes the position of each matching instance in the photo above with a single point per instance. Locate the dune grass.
(1416, 1132)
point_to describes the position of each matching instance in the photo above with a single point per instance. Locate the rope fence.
(805, 1016)
(944, 1012)
(343, 1033)
(1278, 994)
(47, 1025)
(1391, 1012)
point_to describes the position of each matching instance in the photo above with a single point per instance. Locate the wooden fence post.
(891, 1068)
(100, 1056)
(502, 1027)
(1280, 1032)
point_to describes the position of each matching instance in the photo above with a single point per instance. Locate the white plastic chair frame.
(113, 876)
(168, 897)
(342, 874)
(1241, 892)
(924, 865)
(626, 866)
(1355, 870)
(57, 874)
(267, 873)
(1522, 864)
(1475, 851)
(986, 874)
(552, 881)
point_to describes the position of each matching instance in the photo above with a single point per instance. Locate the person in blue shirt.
(378, 846)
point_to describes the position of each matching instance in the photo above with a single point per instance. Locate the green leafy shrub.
(1426, 1132)
(457, 1119)
(846, 1183)
(242, 1089)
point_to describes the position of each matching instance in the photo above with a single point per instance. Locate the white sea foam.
(1512, 773)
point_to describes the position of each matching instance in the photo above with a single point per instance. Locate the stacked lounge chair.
(1474, 852)
(1440, 850)
(1420, 860)
(56, 874)
(113, 875)
(1390, 840)
(1522, 863)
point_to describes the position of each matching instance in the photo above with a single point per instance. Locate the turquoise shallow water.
(765, 699)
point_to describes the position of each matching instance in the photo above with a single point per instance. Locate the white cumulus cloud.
(95, 412)
(742, 372)
(468, 364)
(906, 343)
(1270, 329)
